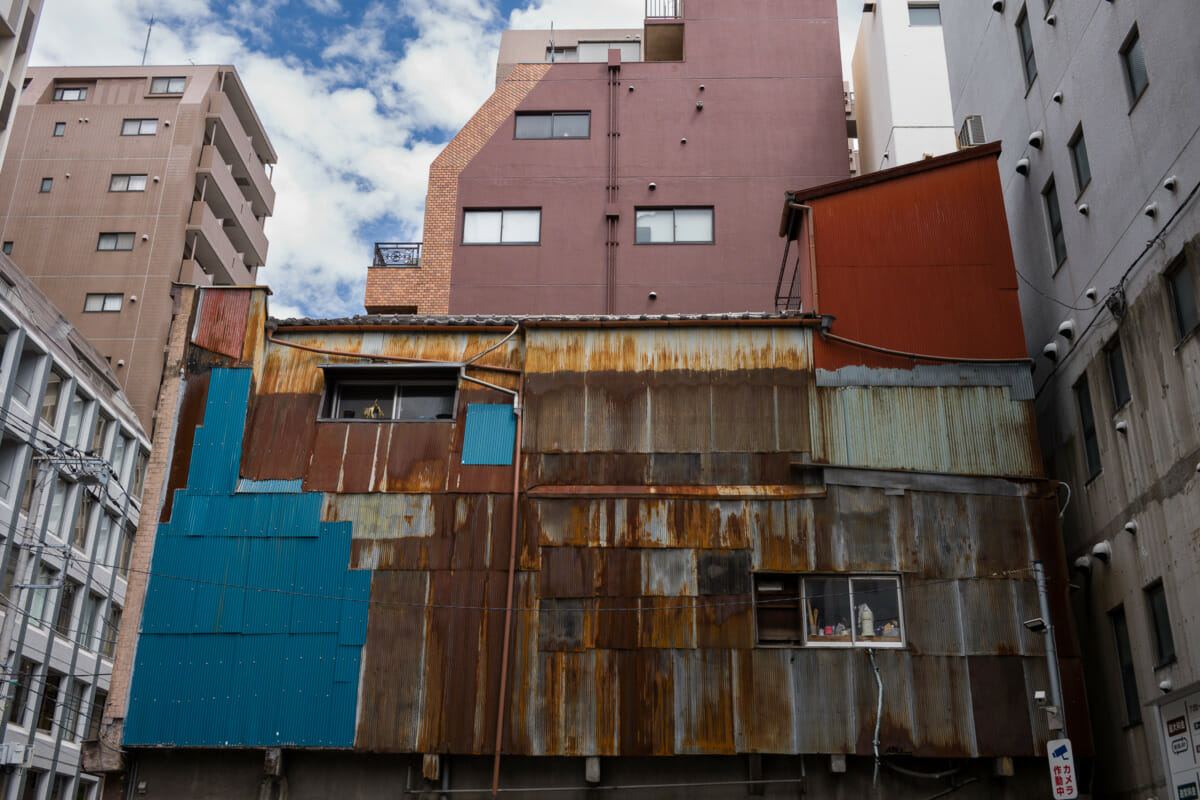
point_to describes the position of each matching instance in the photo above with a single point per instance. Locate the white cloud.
(574, 14)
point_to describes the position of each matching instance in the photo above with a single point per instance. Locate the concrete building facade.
(633, 187)
(902, 94)
(1098, 109)
(73, 459)
(468, 553)
(18, 23)
(122, 182)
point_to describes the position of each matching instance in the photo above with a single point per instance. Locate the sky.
(358, 97)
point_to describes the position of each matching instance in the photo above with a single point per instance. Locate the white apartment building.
(902, 95)
(1097, 103)
(72, 463)
(18, 22)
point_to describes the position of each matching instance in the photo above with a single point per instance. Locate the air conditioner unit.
(16, 754)
(971, 133)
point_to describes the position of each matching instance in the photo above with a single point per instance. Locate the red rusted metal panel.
(418, 457)
(645, 682)
(1002, 725)
(765, 695)
(363, 441)
(725, 621)
(279, 436)
(221, 321)
(191, 414)
(704, 702)
(568, 572)
(394, 677)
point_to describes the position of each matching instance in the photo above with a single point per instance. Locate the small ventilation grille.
(971, 133)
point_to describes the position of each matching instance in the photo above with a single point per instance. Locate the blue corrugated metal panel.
(245, 624)
(490, 434)
(250, 486)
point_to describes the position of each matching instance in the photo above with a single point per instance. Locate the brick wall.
(427, 288)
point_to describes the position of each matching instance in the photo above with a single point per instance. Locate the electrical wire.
(1054, 299)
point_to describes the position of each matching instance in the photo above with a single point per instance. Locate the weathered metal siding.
(221, 321)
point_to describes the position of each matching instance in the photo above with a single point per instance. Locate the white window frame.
(70, 94)
(127, 182)
(145, 127)
(468, 212)
(115, 241)
(712, 224)
(171, 85)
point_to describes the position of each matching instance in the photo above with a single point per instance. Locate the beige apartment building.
(18, 22)
(122, 182)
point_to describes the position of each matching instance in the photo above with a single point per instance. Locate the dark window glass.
(1135, 65)
(1057, 240)
(60, 129)
(1133, 710)
(66, 607)
(1025, 40)
(1079, 159)
(534, 126)
(70, 94)
(33, 785)
(115, 241)
(777, 608)
(46, 184)
(1087, 423)
(1183, 297)
(21, 693)
(50, 690)
(366, 401)
(1116, 373)
(8, 248)
(924, 14)
(1160, 623)
(97, 715)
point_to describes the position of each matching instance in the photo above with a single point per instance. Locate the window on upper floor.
(49, 411)
(828, 610)
(1183, 296)
(70, 93)
(51, 687)
(1079, 160)
(167, 85)
(674, 226)
(127, 183)
(1117, 378)
(103, 302)
(60, 129)
(1134, 62)
(39, 595)
(1058, 241)
(112, 627)
(1120, 627)
(99, 700)
(12, 454)
(21, 691)
(924, 14)
(502, 226)
(116, 241)
(8, 247)
(396, 394)
(139, 127)
(1160, 624)
(1087, 426)
(138, 482)
(1025, 41)
(66, 606)
(553, 125)
(46, 184)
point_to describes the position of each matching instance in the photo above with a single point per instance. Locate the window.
(821, 610)
(1079, 160)
(1058, 241)
(70, 94)
(126, 552)
(104, 549)
(61, 788)
(397, 393)
(50, 690)
(16, 711)
(553, 125)
(1133, 709)
(1091, 445)
(1025, 40)
(87, 619)
(1116, 372)
(1183, 297)
(924, 14)
(74, 420)
(100, 434)
(103, 302)
(66, 606)
(139, 127)
(8, 248)
(1135, 65)
(82, 521)
(674, 226)
(38, 607)
(10, 469)
(99, 699)
(60, 129)
(115, 241)
(33, 784)
(112, 627)
(138, 483)
(1160, 624)
(167, 85)
(50, 399)
(120, 447)
(508, 226)
(46, 184)
(127, 183)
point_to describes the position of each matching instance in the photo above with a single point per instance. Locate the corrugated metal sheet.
(250, 486)
(383, 516)
(221, 321)
(491, 430)
(967, 431)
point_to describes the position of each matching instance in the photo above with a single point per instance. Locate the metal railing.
(397, 254)
(664, 9)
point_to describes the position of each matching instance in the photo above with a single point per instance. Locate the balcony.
(664, 9)
(662, 35)
(210, 247)
(397, 254)
(237, 150)
(220, 190)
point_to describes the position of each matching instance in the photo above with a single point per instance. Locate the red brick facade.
(426, 290)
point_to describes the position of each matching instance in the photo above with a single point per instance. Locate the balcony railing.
(664, 9)
(397, 254)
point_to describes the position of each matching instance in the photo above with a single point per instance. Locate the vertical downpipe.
(610, 245)
(512, 572)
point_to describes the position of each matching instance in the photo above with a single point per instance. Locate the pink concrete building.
(629, 187)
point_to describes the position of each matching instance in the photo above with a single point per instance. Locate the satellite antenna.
(147, 47)
(551, 41)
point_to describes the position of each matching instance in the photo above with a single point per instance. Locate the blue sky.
(358, 96)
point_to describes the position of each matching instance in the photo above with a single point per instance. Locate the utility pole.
(1054, 711)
